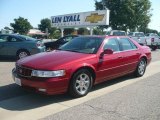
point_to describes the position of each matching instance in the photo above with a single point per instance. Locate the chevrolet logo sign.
(94, 18)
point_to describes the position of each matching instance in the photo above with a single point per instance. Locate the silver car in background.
(139, 37)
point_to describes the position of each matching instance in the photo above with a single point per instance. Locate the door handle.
(137, 53)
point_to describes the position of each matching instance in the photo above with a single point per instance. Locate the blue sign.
(70, 18)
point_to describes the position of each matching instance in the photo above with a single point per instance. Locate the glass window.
(119, 33)
(130, 34)
(3, 38)
(126, 44)
(83, 45)
(133, 45)
(139, 34)
(13, 39)
(112, 44)
(68, 39)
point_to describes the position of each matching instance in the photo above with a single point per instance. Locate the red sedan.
(81, 63)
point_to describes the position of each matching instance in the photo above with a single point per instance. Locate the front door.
(110, 65)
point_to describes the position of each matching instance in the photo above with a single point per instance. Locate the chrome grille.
(23, 71)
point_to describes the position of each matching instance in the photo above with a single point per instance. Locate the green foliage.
(68, 31)
(45, 25)
(82, 31)
(127, 14)
(55, 33)
(151, 31)
(98, 31)
(6, 28)
(21, 25)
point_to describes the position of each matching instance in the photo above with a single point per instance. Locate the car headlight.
(40, 73)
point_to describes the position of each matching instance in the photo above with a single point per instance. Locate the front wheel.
(81, 83)
(22, 54)
(141, 68)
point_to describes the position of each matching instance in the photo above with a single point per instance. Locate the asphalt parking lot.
(123, 98)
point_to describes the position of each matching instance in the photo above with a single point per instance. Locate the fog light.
(42, 90)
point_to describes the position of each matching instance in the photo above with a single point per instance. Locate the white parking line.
(19, 110)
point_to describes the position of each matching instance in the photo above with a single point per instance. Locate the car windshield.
(139, 34)
(88, 45)
(26, 37)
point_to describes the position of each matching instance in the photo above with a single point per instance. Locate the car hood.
(53, 60)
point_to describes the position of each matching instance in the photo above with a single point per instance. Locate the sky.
(35, 10)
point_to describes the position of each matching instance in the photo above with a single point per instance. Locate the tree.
(45, 25)
(151, 31)
(83, 31)
(6, 28)
(21, 25)
(68, 31)
(127, 14)
(54, 33)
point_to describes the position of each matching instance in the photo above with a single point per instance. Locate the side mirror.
(108, 51)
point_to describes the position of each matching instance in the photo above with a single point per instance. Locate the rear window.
(119, 33)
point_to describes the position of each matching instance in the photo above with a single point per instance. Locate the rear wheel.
(22, 54)
(81, 83)
(141, 68)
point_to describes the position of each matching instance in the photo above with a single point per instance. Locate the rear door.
(3, 45)
(131, 54)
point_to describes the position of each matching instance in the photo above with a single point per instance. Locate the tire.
(22, 53)
(141, 68)
(81, 83)
(154, 48)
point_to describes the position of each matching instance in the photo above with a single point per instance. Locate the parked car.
(153, 40)
(20, 46)
(116, 33)
(56, 44)
(139, 37)
(81, 63)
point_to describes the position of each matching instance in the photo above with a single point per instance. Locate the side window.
(112, 44)
(13, 39)
(68, 39)
(3, 38)
(133, 45)
(126, 44)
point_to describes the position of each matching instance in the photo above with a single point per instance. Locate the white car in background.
(153, 40)
(139, 37)
(116, 33)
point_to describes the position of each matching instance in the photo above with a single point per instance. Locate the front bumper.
(48, 86)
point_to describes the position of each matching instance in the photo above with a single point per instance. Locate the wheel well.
(22, 50)
(89, 69)
(144, 58)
